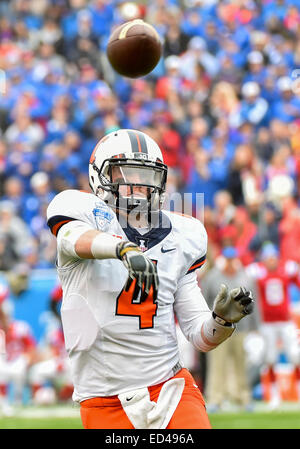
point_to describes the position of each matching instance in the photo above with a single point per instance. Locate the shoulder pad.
(67, 206)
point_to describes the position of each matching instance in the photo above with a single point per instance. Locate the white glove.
(231, 307)
(139, 267)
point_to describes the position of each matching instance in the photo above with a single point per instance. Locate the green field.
(40, 423)
(68, 418)
(274, 420)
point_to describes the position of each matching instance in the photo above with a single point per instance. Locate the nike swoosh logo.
(129, 399)
(167, 250)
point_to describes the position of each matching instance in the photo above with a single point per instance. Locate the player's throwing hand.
(232, 306)
(139, 267)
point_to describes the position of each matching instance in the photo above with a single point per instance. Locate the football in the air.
(134, 48)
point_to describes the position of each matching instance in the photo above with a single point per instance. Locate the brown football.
(134, 48)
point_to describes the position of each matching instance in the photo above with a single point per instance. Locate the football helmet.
(126, 170)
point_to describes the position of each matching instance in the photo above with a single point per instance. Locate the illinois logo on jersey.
(143, 243)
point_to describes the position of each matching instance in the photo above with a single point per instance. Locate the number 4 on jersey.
(144, 309)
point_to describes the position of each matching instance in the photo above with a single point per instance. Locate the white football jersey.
(114, 344)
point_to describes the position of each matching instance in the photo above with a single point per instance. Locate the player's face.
(122, 175)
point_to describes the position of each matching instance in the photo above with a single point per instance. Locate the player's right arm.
(70, 220)
(78, 239)
(83, 243)
(203, 327)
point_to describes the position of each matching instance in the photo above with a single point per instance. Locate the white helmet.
(128, 158)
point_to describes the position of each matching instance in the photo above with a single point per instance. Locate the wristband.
(221, 320)
(104, 246)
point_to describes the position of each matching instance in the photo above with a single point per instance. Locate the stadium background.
(223, 103)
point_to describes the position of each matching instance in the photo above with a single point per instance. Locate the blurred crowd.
(223, 104)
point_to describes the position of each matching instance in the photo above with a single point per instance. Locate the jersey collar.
(151, 238)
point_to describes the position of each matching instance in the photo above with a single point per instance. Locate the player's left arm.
(203, 327)
(195, 318)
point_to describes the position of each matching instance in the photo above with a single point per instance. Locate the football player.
(126, 267)
(274, 280)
